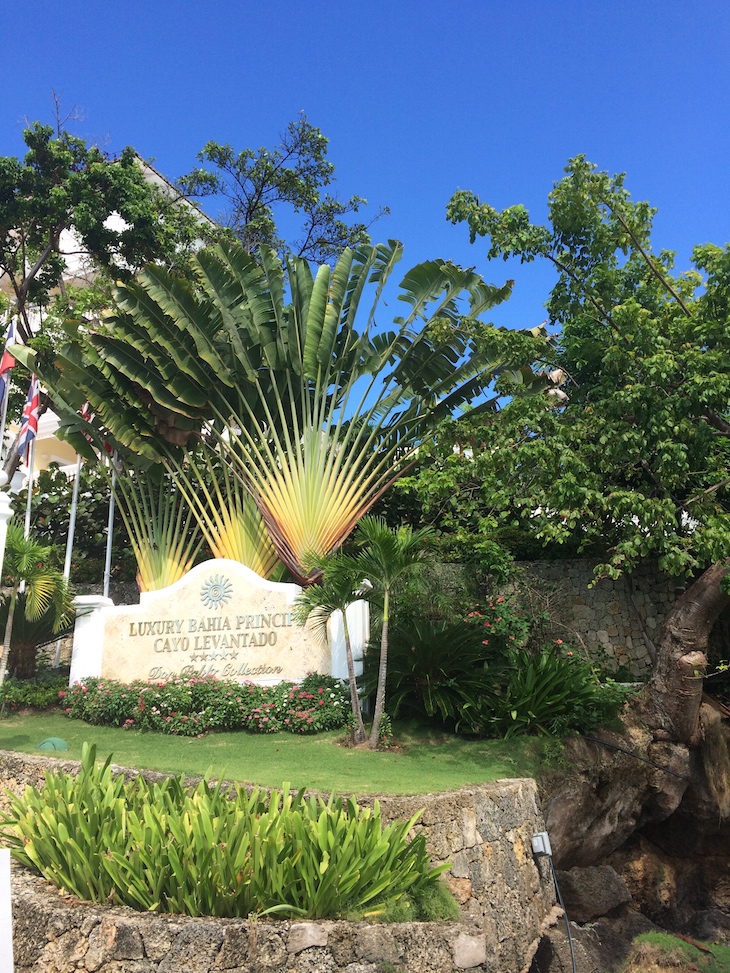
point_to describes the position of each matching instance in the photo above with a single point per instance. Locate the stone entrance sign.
(220, 620)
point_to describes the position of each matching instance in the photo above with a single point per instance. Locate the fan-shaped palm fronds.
(315, 406)
(164, 535)
(46, 591)
(230, 521)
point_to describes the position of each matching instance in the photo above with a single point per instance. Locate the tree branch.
(649, 262)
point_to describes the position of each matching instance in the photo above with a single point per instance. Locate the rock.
(460, 888)
(302, 935)
(469, 951)
(589, 893)
(604, 945)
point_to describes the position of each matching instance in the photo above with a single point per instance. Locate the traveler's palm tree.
(26, 562)
(314, 415)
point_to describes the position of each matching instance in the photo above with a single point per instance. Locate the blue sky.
(417, 98)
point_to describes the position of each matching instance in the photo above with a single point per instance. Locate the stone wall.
(610, 620)
(485, 832)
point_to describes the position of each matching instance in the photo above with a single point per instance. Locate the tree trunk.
(382, 673)
(358, 733)
(675, 690)
(8, 635)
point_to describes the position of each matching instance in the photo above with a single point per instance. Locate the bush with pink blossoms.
(189, 706)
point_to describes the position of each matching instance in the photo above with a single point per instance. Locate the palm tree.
(26, 562)
(387, 555)
(314, 416)
(164, 538)
(336, 590)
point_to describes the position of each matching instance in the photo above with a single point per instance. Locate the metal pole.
(4, 415)
(110, 532)
(31, 462)
(69, 545)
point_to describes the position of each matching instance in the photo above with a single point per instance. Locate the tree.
(72, 221)
(338, 588)
(253, 184)
(636, 458)
(28, 563)
(386, 556)
(315, 417)
(65, 185)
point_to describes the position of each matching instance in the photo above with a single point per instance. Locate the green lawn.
(425, 761)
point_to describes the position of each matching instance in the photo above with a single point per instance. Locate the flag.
(88, 415)
(7, 361)
(29, 427)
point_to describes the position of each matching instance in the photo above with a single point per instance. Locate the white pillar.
(88, 644)
(358, 625)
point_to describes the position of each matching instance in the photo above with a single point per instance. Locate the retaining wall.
(609, 620)
(485, 832)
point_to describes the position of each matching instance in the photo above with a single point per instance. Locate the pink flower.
(485, 641)
(559, 641)
(500, 600)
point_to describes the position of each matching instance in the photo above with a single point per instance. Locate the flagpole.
(6, 367)
(110, 530)
(31, 463)
(69, 544)
(6, 393)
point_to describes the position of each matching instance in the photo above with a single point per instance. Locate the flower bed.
(187, 707)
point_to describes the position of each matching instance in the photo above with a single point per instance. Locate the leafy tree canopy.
(255, 183)
(636, 460)
(62, 183)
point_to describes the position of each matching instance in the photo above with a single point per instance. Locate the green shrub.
(435, 669)
(161, 848)
(553, 694)
(187, 707)
(42, 692)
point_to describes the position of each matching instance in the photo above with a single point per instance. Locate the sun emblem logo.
(216, 592)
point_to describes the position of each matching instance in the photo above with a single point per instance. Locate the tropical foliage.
(385, 557)
(30, 564)
(230, 521)
(164, 540)
(337, 589)
(440, 670)
(551, 693)
(635, 460)
(194, 705)
(159, 847)
(315, 417)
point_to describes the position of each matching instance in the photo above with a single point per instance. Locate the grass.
(425, 761)
(654, 952)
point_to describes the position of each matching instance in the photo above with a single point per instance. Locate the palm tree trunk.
(8, 634)
(382, 673)
(358, 733)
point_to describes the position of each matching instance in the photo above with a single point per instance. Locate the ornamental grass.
(162, 847)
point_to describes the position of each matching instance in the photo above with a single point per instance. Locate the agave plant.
(314, 415)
